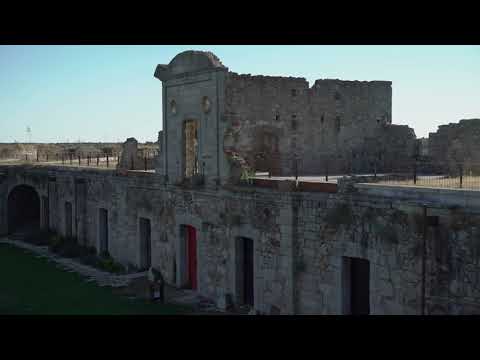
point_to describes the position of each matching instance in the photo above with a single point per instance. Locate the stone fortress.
(350, 247)
(267, 122)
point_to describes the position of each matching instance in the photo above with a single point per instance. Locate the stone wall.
(299, 238)
(397, 148)
(456, 142)
(281, 118)
(275, 124)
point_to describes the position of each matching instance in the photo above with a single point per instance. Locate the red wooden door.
(192, 256)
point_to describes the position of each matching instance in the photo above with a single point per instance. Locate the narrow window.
(173, 107)
(294, 122)
(68, 219)
(355, 286)
(277, 117)
(294, 92)
(322, 119)
(245, 271)
(145, 244)
(206, 105)
(337, 124)
(103, 231)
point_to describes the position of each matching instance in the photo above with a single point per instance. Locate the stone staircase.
(102, 278)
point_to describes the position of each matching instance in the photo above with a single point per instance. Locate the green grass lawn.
(31, 285)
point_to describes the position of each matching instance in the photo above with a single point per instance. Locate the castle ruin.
(276, 246)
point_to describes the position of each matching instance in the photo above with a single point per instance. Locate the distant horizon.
(105, 94)
(156, 141)
(74, 142)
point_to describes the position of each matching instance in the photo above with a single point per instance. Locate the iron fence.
(460, 175)
(463, 174)
(80, 159)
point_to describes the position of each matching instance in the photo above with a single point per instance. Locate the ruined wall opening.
(244, 264)
(190, 148)
(355, 286)
(188, 261)
(103, 231)
(145, 243)
(23, 209)
(267, 154)
(68, 219)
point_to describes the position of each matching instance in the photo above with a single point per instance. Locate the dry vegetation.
(468, 182)
(15, 153)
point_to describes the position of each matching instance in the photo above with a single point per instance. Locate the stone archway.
(23, 209)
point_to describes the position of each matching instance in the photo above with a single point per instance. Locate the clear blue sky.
(108, 93)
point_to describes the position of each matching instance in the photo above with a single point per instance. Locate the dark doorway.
(191, 245)
(68, 219)
(356, 286)
(145, 244)
(245, 271)
(103, 231)
(23, 209)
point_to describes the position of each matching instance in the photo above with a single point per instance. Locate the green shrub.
(108, 264)
(39, 238)
(55, 243)
(67, 247)
(91, 260)
(71, 249)
(132, 268)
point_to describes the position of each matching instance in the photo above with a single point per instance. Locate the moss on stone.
(342, 214)
(388, 233)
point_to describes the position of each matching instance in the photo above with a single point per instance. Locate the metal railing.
(460, 174)
(80, 159)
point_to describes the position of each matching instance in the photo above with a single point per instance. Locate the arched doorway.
(23, 209)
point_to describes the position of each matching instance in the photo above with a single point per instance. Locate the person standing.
(156, 283)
